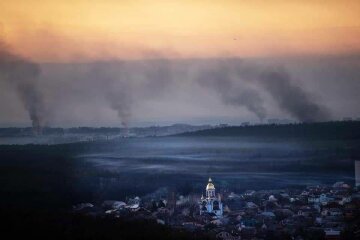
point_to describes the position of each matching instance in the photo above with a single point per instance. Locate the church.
(211, 203)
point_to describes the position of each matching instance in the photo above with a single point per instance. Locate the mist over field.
(237, 163)
(134, 166)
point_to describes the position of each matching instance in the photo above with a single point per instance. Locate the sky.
(88, 29)
(113, 63)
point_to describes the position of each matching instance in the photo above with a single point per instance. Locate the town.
(316, 212)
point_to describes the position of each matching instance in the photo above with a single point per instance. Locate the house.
(82, 206)
(249, 193)
(307, 211)
(332, 234)
(223, 235)
(111, 204)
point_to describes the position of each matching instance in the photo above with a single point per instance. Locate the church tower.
(211, 203)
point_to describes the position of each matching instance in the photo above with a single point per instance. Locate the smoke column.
(125, 85)
(23, 75)
(223, 80)
(240, 83)
(293, 99)
(120, 102)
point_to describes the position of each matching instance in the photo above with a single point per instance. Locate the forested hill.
(322, 130)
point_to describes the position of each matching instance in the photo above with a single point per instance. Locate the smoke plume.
(83, 93)
(22, 75)
(120, 101)
(293, 99)
(243, 83)
(225, 82)
(127, 83)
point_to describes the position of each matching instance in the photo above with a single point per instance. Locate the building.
(211, 203)
(357, 173)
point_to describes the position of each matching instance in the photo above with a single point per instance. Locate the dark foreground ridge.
(21, 224)
(320, 130)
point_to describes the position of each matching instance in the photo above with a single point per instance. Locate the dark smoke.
(86, 91)
(116, 87)
(127, 83)
(225, 82)
(120, 101)
(241, 83)
(250, 99)
(23, 75)
(293, 99)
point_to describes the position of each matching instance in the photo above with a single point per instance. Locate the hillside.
(322, 130)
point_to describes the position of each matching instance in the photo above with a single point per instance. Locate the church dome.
(210, 185)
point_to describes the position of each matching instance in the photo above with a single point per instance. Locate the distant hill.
(108, 131)
(321, 130)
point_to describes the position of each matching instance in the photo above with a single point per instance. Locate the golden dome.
(210, 185)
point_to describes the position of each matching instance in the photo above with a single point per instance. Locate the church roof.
(210, 185)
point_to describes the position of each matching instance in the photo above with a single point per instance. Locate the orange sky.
(80, 30)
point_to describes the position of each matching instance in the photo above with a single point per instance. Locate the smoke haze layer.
(173, 90)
